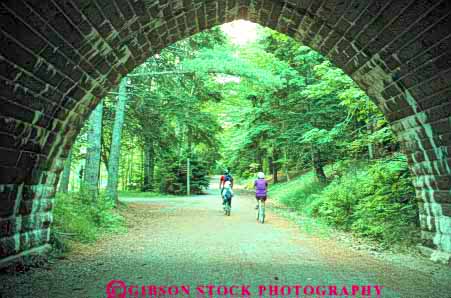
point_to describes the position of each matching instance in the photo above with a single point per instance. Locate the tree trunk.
(189, 142)
(275, 178)
(130, 169)
(73, 183)
(180, 133)
(148, 165)
(81, 172)
(142, 169)
(318, 166)
(285, 155)
(91, 173)
(259, 159)
(115, 150)
(285, 161)
(275, 167)
(65, 177)
(124, 176)
(272, 169)
(259, 155)
(151, 168)
(369, 130)
(127, 172)
(104, 152)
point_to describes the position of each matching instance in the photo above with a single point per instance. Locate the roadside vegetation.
(79, 218)
(374, 200)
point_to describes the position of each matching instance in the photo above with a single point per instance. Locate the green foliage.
(374, 200)
(391, 211)
(221, 61)
(78, 217)
(299, 193)
(313, 114)
(166, 118)
(339, 199)
(173, 178)
(275, 106)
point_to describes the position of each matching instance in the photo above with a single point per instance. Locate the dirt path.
(189, 241)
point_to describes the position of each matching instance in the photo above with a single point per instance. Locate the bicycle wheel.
(227, 208)
(258, 210)
(262, 213)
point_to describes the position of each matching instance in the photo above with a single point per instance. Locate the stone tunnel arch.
(59, 58)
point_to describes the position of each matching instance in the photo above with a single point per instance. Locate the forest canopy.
(209, 103)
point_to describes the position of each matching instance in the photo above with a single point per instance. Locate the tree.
(93, 151)
(114, 157)
(65, 177)
(275, 105)
(312, 114)
(167, 97)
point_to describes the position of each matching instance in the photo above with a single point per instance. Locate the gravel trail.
(188, 241)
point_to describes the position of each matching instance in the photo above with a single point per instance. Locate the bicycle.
(261, 211)
(227, 207)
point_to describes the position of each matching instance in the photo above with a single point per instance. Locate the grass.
(137, 194)
(80, 218)
(299, 194)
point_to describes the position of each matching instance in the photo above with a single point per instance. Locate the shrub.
(390, 212)
(374, 200)
(338, 200)
(78, 217)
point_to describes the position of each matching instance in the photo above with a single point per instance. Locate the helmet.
(261, 175)
(226, 172)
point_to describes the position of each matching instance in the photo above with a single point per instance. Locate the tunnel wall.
(59, 58)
